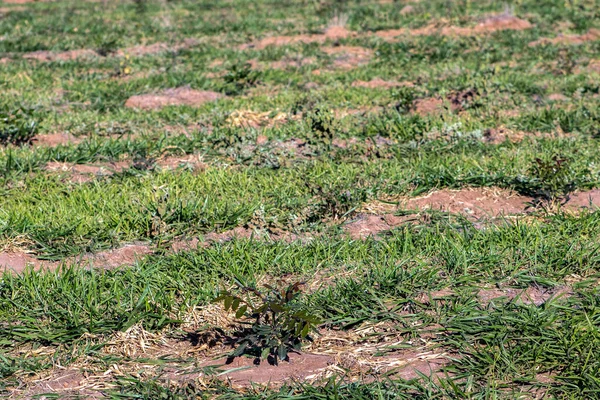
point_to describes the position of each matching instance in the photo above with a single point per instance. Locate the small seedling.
(551, 179)
(277, 323)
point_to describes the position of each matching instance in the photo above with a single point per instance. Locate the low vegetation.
(291, 200)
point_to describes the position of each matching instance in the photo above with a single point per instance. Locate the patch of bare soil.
(191, 161)
(170, 97)
(474, 202)
(65, 383)
(532, 295)
(502, 134)
(391, 34)
(589, 36)
(81, 173)
(333, 33)
(589, 199)
(455, 101)
(380, 83)
(372, 225)
(122, 256)
(557, 97)
(47, 56)
(429, 106)
(348, 57)
(17, 262)
(55, 139)
(7, 10)
(156, 48)
(407, 9)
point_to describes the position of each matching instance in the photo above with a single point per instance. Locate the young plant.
(551, 179)
(240, 77)
(276, 323)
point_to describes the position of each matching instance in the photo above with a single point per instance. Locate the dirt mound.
(500, 135)
(589, 36)
(390, 34)
(372, 225)
(156, 48)
(379, 83)
(17, 262)
(122, 256)
(82, 173)
(429, 106)
(475, 203)
(55, 139)
(172, 97)
(47, 56)
(348, 57)
(455, 101)
(589, 199)
(557, 97)
(333, 33)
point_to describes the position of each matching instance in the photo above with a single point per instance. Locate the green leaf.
(235, 304)
(265, 353)
(241, 311)
(282, 352)
(228, 302)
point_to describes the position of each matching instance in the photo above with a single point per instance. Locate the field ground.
(427, 170)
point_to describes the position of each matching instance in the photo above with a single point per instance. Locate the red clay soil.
(16, 262)
(454, 101)
(348, 57)
(122, 256)
(333, 33)
(594, 66)
(589, 36)
(379, 83)
(477, 202)
(372, 225)
(55, 139)
(171, 97)
(589, 199)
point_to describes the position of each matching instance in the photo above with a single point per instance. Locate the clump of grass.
(17, 125)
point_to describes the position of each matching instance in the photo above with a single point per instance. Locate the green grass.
(500, 350)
